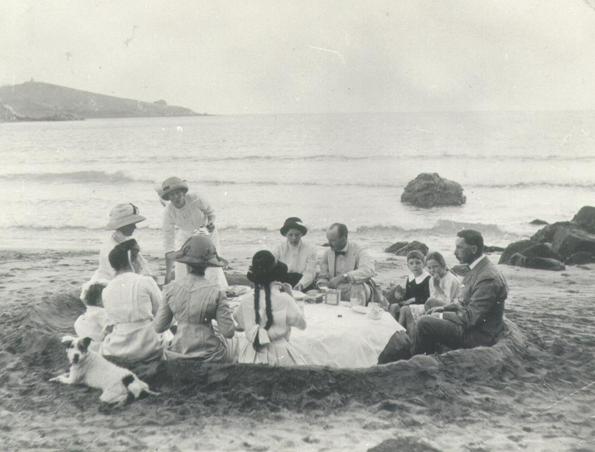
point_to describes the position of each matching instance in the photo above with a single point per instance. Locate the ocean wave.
(119, 177)
(412, 156)
(84, 177)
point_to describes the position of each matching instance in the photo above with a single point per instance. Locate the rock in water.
(580, 258)
(403, 248)
(585, 218)
(430, 190)
(538, 222)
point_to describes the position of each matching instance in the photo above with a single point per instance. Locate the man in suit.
(477, 320)
(346, 265)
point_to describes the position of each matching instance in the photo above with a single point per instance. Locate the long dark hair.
(264, 270)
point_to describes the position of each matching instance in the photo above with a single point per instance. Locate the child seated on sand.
(92, 322)
(445, 287)
(417, 287)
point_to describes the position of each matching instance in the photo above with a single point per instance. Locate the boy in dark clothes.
(417, 287)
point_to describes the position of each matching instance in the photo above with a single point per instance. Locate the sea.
(59, 180)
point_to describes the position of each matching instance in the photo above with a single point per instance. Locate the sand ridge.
(523, 394)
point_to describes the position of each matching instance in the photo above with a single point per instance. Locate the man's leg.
(432, 331)
(397, 348)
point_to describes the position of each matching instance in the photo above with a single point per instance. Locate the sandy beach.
(532, 391)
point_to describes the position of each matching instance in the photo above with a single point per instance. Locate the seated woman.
(122, 222)
(268, 315)
(444, 289)
(194, 302)
(130, 301)
(299, 257)
(93, 321)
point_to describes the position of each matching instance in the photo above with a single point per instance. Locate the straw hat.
(199, 249)
(172, 184)
(293, 223)
(123, 215)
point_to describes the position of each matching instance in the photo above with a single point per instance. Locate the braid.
(268, 307)
(257, 302)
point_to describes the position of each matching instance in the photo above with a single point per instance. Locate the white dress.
(447, 290)
(91, 324)
(181, 224)
(277, 349)
(131, 301)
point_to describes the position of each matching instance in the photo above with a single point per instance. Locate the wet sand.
(529, 392)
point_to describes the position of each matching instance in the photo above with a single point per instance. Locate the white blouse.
(448, 288)
(196, 213)
(130, 298)
(299, 259)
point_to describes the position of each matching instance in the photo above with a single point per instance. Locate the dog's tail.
(136, 386)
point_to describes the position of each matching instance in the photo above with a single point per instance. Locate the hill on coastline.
(38, 101)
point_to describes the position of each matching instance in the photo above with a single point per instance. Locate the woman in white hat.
(194, 303)
(122, 222)
(186, 215)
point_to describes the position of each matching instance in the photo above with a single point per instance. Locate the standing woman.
(130, 301)
(268, 315)
(186, 215)
(299, 256)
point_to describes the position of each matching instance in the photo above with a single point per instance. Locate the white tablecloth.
(336, 336)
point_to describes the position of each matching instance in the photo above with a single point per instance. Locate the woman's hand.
(286, 287)
(211, 227)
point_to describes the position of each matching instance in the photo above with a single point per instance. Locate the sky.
(310, 56)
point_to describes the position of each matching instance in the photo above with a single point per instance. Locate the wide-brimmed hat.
(200, 250)
(293, 223)
(123, 215)
(266, 268)
(170, 185)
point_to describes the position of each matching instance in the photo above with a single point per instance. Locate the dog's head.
(77, 348)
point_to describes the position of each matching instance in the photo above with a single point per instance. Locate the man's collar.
(473, 264)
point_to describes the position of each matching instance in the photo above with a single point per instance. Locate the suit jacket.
(481, 315)
(356, 263)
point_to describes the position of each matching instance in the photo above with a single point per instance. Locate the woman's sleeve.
(164, 315)
(168, 228)
(309, 275)
(206, 208)
(295, 316)
(238, 316)
(224, 316)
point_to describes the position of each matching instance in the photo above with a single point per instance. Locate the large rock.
(527, 253)
(546, 234)
(585, 218)
(570, 240)
(580, 258)
(539, 263)
(430, 190)
(403, 248)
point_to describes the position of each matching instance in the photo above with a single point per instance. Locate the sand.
(532, 391)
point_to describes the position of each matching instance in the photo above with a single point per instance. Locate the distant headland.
(38, 101)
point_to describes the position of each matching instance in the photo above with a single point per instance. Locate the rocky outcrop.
(531, 254)
(568, 242)
(492, 249)
(538, 222)
(403, 248)
(585, 218)
(430, 190)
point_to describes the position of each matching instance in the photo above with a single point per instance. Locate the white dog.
(92, 369)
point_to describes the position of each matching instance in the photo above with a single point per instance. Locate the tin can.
(332, 297)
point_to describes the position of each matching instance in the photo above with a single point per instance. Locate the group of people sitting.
(131, 319)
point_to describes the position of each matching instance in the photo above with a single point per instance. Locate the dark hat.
(199, 249)
(293, 223)
(266, 268)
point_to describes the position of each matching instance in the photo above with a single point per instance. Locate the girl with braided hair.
(268, 315)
